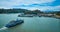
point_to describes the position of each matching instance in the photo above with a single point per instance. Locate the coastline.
(41, 15)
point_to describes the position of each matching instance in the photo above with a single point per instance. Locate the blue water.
(31, 24)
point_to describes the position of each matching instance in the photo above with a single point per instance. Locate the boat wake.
(3, 28)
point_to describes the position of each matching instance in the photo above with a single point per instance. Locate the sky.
(43, 5)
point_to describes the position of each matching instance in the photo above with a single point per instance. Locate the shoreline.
(33, 15)
(54, 16)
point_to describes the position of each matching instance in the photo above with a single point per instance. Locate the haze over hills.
(14, 10)
(19, 10)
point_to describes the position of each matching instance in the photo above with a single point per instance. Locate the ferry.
(14, 23)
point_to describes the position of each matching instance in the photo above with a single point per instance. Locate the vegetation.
(26, 11)
(33, 12)
(58, 13)
(12, 10)
(20, 11)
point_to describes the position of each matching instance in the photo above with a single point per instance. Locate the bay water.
(31, 24)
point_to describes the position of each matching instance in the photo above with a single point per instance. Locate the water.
(31, 24)
(3, 28)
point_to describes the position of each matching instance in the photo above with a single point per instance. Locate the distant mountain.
(19, 10)
(14, 10)
(51, 11)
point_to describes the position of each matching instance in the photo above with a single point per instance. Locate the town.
(31, 13)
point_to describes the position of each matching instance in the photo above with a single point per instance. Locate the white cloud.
(44, 8)
(9, 3)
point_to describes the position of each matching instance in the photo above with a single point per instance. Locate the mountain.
(14, 10)
(49, 11)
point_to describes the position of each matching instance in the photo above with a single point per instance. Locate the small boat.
(14, 23)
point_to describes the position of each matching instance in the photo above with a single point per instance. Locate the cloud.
(44, 8)
(9, 3)
(43, 5)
